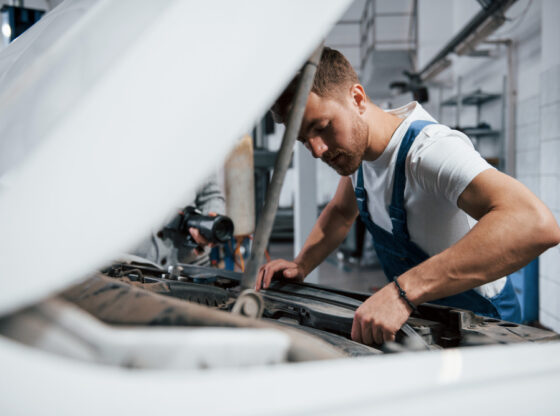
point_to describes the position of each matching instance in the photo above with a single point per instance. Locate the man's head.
(333, 77)
(333, 127)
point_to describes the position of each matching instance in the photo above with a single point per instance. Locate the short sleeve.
(445, 163)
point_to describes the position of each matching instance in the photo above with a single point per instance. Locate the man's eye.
(323, 126)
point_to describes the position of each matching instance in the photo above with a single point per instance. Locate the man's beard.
(348, 161)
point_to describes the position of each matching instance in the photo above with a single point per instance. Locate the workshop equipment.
(239, 181)
(240, 187)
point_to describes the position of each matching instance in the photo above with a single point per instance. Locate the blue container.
(526, 285)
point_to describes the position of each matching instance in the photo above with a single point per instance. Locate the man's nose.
(317, 146)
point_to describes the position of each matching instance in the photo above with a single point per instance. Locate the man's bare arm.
(331, 228)
(514, 227)
(328, 232)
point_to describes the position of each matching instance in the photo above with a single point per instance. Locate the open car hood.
(113, 111)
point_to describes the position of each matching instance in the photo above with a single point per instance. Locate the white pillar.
(305, 200)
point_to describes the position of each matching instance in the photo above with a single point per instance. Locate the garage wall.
(528, 51)
(488, 74)
(549, 107)
(535, 34)
(433, 31)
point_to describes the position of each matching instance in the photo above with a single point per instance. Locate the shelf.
(485, 135)
(477, 97)
(478, 132)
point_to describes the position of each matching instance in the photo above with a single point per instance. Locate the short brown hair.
(334, 74)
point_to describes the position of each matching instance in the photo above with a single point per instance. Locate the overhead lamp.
(437, 69)
(469, 44)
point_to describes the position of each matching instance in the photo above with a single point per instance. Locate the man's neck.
(381, 127)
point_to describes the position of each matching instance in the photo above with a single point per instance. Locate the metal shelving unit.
(478, 99)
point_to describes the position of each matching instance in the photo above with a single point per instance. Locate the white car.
(107, 106)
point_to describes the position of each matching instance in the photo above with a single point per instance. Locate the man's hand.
(199, 239)
(283, 269)
(380, 317)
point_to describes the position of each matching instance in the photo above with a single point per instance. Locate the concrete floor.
(335, 273)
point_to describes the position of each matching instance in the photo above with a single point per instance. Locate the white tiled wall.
(528, 152)
(537, 121)
(550, 191)
(549, 278)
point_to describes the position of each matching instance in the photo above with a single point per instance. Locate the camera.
(216, 229)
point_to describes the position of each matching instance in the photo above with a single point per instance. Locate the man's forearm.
(328, 232)
(501, 242)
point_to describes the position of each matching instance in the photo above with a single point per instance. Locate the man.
(209, 199)
(447, 227)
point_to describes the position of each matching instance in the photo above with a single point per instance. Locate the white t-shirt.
(440, 164)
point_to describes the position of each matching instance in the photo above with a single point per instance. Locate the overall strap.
(361, 196)
(397, 211)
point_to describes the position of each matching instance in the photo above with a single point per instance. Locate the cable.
(154, 241)
(518, 20)
(239, 243)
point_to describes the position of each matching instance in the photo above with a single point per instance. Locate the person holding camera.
(164, 251)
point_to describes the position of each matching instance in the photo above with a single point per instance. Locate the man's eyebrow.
(305, 129)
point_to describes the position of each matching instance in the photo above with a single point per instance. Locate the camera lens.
(223, 229)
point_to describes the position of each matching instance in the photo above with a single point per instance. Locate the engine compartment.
(324, 312)
(138, 315)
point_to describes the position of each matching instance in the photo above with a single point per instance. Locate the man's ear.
(359, 97)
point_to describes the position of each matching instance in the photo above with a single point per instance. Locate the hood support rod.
(264, 227)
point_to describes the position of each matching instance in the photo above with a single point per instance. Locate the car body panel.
(138, 127)
(516, 379)
(133, 137)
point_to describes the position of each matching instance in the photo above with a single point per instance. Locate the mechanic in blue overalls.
(447, 227)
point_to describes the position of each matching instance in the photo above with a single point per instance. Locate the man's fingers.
(388, 336)
(267, 277)
(198, 237)
(195, 234)
(356, 333)
(377, 335)
(366, 329)
(265, 270)
(379, 318)
(269, 273)
(366, 332)
(291, 273)
(258, 283)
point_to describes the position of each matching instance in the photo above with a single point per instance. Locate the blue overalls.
(397, 253)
